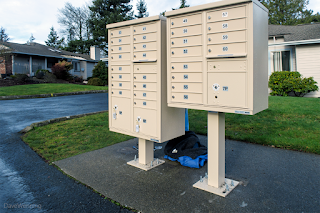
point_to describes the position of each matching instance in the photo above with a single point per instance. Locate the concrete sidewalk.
(271, 180)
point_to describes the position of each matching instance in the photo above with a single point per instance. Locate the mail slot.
(226, 14)
(120, 49)
(225, 26)
(186, 41)
(145, 77)
(145, 37)
(145, 46)
(185, 20)
(186, 51)
(227, 50)
(145, 28)
(119, 41)
(187, 87)
(145, 95)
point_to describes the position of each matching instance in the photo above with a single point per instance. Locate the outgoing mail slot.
(227, 37)
(120, 32)
(186, 51)
(186, 77)
(187, 87)
(148, 121)
(119, 69)
(145, 77)
(227, 65)
(145, 95)
(120, 57)
(186, 97)
(145, 56)
(120, 93)
(186, 31)
(120, 77)
(121, 113)
(226, 14)
(120, 40)
(145, 28)
(224, 26)
(145, 86)
(227, 50)
(185, 20)
(186, 41)
(231, 90)
(145, 104)
(186, 67)
(145, 46)
(120, 85)
(120, 49)
(145, 37)
(145, 68)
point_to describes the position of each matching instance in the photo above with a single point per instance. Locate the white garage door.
(308, 64)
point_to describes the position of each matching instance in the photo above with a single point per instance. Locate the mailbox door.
(145, 68)
(227, 37)
(120, 48)
(120, 93)
(186, 77)
(120, 85)
(148, 104)
(145, 46)
(147, 121)
(120, 32)
(186, 41)
(186, 51)
(121, 113)
(187, 87)
(226, 14)
(186, 67)
(225, 26)
(120, 57)
(119, 69)
(120, 41)
(186, 97)
(145, 37)
(227, 89)
(186, 31)
(185, 20)
(120, 77)
(145, 86)
(145, 28)
(145, 95)
(227, 49)
(145, 56)
(145, 77)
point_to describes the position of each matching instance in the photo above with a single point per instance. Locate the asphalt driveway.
(27, 183)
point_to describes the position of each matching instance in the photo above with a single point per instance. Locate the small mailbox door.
(146, 119)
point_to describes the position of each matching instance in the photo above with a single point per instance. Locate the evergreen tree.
(106, 12)
(3, 36)
(142, 9)
(183, 4)
(288, 12)
(53, 39)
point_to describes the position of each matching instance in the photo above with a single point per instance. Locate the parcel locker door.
(120, 113)
(145, 121)
(227, 89)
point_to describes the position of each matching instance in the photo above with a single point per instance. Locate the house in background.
(295, 48)
(28, 58)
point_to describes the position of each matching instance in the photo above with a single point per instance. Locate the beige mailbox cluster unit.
(217, 57)
(137, 84)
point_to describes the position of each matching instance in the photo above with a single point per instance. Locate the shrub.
(40, 73)
(20, 77)
(78, 79)
(284, 82)
(50, 78)
(61, 70)
(95, 82)
(101, 71)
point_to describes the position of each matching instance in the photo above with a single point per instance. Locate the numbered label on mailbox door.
(224, 14)
(225, 49)
(225, 26)
(225, 37)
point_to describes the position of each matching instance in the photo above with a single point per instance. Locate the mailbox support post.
(215, 182)
(146, 159)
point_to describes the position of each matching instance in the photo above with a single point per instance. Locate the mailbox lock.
(216, 96)
(172, 77)
(111, 49)
(111, 92)
(111, 76)
(209, 17)
(111, 57)
(135, 77)
(172, 43)
(134, 39)
(209, 50)
(134, 56)
(134, 47)
(111, 33)
(172, 23)
(172, 67)
(209, 39)
(214, 66)
(172, 52)
(111, 69)
(111, 42)
(134, 30)
(135, 94)
(135, 103)
(172, 96)
(135, 86)
(172, 33)
(172, 87)
(111, 84)
(137, 68)
(209, 28)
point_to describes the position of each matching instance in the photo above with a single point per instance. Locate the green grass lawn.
(72, 137)
(289, 123)
(36, 89)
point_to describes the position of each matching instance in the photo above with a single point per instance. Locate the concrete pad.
(270, 180)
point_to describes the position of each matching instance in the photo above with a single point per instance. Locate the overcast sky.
(21, 18)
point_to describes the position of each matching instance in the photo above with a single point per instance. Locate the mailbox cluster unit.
(137, 81)
(217, 57)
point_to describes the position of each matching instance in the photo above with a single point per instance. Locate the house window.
(76, 66)
(281, 61)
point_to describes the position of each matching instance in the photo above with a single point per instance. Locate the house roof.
(296, 33)
(42, 50)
